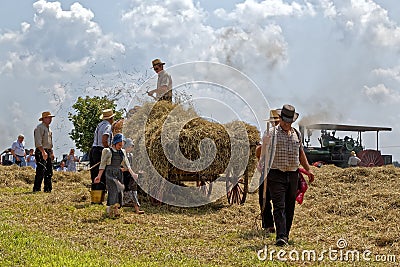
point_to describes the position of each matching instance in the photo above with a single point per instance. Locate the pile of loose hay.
(14, 176)
(361, 205)
(172, 141)
(176, 138)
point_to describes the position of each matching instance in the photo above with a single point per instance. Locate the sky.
(336, 61)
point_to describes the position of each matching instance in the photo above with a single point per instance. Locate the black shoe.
(47, 191)
(280, 242)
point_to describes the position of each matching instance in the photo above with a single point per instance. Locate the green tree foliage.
(86, 117)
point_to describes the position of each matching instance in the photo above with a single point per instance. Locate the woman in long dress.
(112, 159)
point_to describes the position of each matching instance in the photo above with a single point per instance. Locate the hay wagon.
(236, 185)
(169, 127)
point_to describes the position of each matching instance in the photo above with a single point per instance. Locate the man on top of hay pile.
(102, 139)
(44, 153)
(283, 177)
(164, 82)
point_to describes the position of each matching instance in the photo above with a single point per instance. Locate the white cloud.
(391, 73)
(369, 21)
(260, 11)
(193, 38)
(56, 40)
(328, 8)
(380, 94)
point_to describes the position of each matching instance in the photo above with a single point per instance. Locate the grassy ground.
(358, 207)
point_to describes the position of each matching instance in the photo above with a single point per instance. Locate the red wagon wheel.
(236, 189)
(370, 158)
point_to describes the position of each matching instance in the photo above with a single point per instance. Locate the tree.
(86, 118)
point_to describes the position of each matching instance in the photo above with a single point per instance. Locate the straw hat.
(46, 114)
(107, 114)
(273, 116)
(157, 62)
(287, 113)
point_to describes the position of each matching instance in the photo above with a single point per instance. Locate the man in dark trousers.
(283, 177)
(102, 139)
(44, 153)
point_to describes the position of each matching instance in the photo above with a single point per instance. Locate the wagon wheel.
(205, 187)
(236, 189)
(370, 158)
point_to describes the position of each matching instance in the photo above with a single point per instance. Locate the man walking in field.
(283, 177)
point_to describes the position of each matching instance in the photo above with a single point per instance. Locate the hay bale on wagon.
(172, 140)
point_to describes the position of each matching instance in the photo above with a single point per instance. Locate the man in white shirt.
(18, 151)
(353, 160)
(102, 139)
(164, 82)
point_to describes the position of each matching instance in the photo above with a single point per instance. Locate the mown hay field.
(359, 207)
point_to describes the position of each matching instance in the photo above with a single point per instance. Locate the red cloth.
(302, 188)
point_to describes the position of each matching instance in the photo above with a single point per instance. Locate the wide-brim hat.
(287, 113)
(156, 62)
(107, 114)
(46, 114)
(273, 116)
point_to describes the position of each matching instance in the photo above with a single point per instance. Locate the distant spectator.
(353, 160)
(71, 161)
(18, 151)
(62, 167)
(30, 159)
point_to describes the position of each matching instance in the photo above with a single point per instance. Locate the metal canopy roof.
(341, 127)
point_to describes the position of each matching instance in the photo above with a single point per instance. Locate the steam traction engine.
(335, 150)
